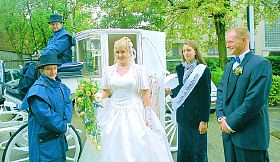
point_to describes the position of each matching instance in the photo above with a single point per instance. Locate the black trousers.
(236, 154)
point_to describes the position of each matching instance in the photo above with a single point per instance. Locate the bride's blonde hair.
(123, 44)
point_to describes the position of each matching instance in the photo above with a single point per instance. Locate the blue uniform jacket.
(50, 109)
(60, 44)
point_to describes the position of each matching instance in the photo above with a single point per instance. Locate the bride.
(130, 129)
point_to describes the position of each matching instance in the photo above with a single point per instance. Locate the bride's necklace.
(121, 70)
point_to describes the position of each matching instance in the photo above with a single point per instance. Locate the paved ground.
(215, 150)
(215, 147)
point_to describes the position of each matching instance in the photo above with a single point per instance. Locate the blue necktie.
(236, 59)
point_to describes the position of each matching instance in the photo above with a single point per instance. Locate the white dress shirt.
(241, 57)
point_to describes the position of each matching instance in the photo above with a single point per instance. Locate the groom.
(242, 101)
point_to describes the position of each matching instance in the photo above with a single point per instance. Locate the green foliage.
(275, 62)
(216, 75)
(216, 71)
(25, 21)
(212, 62)
(274, 96)
(130, 14)
(171, 65)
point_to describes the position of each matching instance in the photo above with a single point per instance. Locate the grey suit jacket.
(244, 102)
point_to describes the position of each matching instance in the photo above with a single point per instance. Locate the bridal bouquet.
(86, 105)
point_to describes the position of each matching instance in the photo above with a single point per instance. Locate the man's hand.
(202, 127)
(224, 128)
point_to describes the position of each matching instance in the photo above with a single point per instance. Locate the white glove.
(67, 127)
(98, 96)
(149, 117)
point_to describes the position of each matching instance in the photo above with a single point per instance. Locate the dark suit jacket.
(244, 102)
(196, 107)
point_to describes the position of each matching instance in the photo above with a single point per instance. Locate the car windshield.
(11, 74)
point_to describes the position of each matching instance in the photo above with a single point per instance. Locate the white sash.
(186, 89)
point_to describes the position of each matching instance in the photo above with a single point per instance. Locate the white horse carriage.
(94, 49)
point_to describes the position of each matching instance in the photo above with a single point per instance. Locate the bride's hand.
(98, 96)
(149, 117)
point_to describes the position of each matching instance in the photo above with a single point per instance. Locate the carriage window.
(90, 54)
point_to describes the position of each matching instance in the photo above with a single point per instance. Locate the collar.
(241, 57)
(186, 64)
(59, 30)
(53, 83)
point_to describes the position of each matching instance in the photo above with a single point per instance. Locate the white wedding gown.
(125, 137)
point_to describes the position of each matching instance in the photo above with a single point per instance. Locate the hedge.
(274, 96)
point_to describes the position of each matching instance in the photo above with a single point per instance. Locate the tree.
(25, 21)
(223, 14)
(201, 19)
(126, 14)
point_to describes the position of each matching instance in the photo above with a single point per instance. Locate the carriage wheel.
(170, 127)
(17, 147)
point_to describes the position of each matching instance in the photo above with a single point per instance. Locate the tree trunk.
(220, 31)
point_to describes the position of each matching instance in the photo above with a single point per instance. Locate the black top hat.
(49, 59)
(55, 18)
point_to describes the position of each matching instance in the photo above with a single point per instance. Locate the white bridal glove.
(98, 96)
(149, 117)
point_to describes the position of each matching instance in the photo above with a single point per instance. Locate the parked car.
(2, 99)
(6, 75)
(11, 74)
(171, 81)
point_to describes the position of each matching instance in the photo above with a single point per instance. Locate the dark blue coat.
(196, 107)
(50, 109)
(244, 102)
(60, 44)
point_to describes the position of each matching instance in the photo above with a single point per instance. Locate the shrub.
(171, 65)
(275, 62)
(212, 62)
(274, 97)
(216, 75)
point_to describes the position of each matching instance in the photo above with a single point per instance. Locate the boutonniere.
(238, 70)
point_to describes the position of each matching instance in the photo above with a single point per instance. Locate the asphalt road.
(215, 149)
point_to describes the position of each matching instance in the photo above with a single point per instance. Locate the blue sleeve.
(205, 86)
(68, 113)
(45, 116)
(61, 44)
(68, 106)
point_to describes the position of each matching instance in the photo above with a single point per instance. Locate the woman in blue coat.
(191, 105)
(50, 111)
